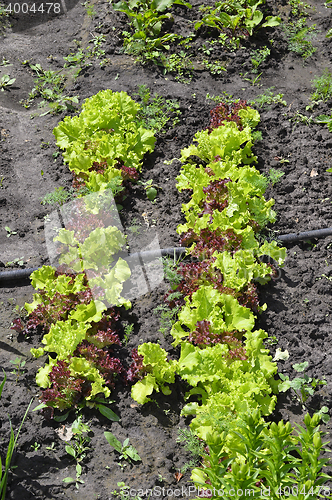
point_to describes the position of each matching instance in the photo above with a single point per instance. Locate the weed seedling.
(272, 340)
(192, 444)
(5, 82)
(259, 56)
(124, 492)
(77, 480)
(10, 232)
(49, 85)
(5, 467)
(126, 450)
(150, 189)
(323, 87)
(128, 329)
(156, 111)
(5, 61)
(58, 197)
(19, 261)
(35, 446)
(135, 227)
(268, 98)
(19, 365)
(90, 10)
(300, 118)
(275, 175)
(299, 35)
(79, 446)
(302, 386)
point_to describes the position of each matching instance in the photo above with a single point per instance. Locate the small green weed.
(77, 480)
(5, 62)
(194, 445)
(19, 365)
(179, 64)
(302, 386)
(19, 261)
(224, 97)
(10, 232)
(5, 82)
(151, 189)
(123, 493)
(35, 446)
(128, 329)
(299, 8)
(215, 67)
(299, 35)
(258, 56)
(57, 197)
(171, 267)
(167, 316)
(323, 413)
(90, 10)
(5, 467)
(268, 98)
(80, 438)
(300, 118)
(275, 175)
(323, 87)
(272, 340)
(49, 85)
(156, 111)
(126, 450)
(78, 449)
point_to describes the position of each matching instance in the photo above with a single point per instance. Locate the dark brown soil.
(299, 312)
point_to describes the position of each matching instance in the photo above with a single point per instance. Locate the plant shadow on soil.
(299, 302)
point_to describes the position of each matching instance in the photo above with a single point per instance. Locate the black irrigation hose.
(306, 235)
(17, 274)
(20, 274)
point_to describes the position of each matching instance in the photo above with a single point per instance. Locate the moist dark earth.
(299, 312)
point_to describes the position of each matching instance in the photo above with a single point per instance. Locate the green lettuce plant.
(103, 139)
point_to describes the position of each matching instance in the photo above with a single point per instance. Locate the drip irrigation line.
(306, 235)
(20, 274)
(17, 274)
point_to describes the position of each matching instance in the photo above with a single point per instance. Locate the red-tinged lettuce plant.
(224, 113)
(207, 242)
(105, 141)
(60, 293)
(66, 390)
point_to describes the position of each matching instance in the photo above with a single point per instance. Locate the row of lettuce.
(76, 309)
(221, 355)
